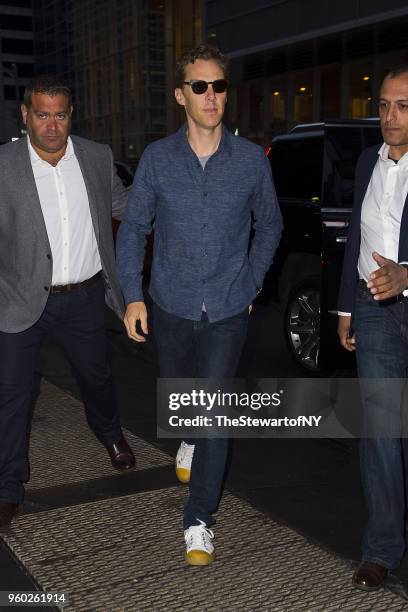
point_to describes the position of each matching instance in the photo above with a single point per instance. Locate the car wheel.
(302, 325)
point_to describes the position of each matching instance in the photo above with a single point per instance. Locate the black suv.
(313, 169)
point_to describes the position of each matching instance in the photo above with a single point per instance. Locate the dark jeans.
(382, 352)
(77, 321)
(200, 349)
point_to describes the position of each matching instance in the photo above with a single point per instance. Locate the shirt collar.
(36, 159)
(383, 155)
(224, 146)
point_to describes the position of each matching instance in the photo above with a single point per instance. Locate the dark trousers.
(77, 321)
(200, 349)
(382, 353)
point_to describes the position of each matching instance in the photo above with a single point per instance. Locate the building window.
(232, 107)
(303, 98)
(255, 106)
(360, 91)
(330, 88)
(277, 98)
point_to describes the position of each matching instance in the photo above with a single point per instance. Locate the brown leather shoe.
(369, 576)
(7, 511)
(121, 455)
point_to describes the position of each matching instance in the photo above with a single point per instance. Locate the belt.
(396, 299)
(72, 286)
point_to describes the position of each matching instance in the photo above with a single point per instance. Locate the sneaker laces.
(199, 536)
(186, 453)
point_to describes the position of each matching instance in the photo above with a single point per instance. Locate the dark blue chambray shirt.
(202, 222)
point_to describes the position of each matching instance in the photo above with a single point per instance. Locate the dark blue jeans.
(382, 353)
(77, 320)
(200, 349)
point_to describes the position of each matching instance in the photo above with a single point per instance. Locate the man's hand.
(348, 342)
(389, 280)
(136, 311)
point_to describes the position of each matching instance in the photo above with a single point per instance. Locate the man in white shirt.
(373, 318)
(56, 268)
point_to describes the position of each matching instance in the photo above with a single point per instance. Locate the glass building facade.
(16, 62)
(118, 56)
(297, 61)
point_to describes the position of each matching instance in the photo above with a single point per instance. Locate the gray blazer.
(25, 253)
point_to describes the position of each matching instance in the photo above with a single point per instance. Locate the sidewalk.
(114, 542)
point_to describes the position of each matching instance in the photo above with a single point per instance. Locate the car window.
(296, 163)
(343, 147)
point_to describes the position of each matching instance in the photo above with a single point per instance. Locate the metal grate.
(64, 450)
(127, 554)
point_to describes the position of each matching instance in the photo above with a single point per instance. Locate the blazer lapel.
(24, 171)
(88, 173)
(402, 246)
(366, 174)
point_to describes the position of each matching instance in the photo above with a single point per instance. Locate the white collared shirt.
(65, 207)
(382, 211)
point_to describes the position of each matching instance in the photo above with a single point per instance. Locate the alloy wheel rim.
(304, 327)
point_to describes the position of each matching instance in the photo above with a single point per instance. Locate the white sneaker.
(184, 458)
(199, 548)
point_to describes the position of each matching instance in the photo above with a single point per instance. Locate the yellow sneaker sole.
(199, 557)
(183, 475)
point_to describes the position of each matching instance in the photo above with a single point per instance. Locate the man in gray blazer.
(58, 194)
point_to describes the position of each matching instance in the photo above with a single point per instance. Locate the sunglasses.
(200, 87)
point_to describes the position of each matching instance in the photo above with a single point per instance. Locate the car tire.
(302, 325)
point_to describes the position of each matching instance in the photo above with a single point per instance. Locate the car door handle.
(335, 223)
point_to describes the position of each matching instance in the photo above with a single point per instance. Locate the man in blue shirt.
(204, 188)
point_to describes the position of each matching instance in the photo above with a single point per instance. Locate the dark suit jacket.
(349, 278)
(25, 253)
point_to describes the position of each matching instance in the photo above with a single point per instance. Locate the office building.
(296, 61)
(16, 62)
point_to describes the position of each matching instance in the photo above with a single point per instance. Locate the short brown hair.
(204, 52)
(48, 84)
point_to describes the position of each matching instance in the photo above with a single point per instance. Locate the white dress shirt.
(381, 212)
(65, 207)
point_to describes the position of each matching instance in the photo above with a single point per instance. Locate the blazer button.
(48, 256)
(46, 288)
